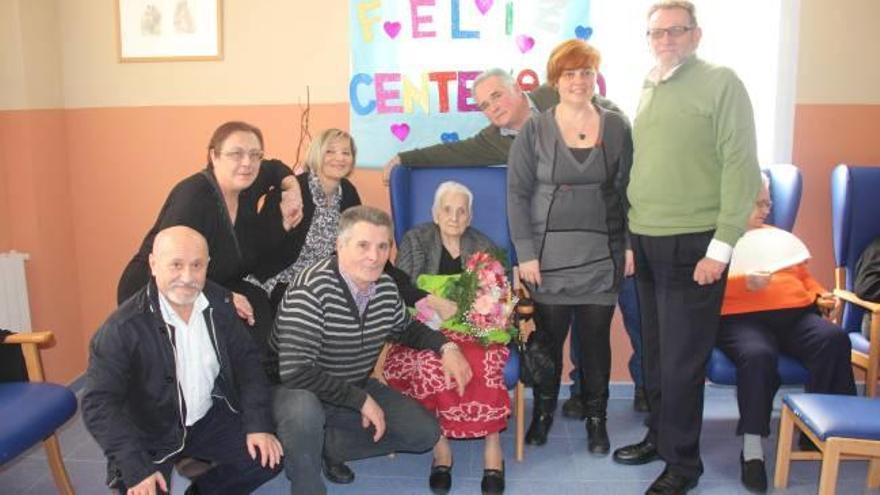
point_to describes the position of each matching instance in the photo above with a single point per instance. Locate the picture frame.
(169, 30)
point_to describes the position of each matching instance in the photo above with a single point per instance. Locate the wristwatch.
(448, 347)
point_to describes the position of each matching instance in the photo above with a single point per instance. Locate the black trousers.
(592, 327)
(220, 438)
(753, 342)
(680, 320)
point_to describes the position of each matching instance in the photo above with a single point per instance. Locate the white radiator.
(15, 313)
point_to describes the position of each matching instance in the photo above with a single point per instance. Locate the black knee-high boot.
(597, 433)
(542, 419)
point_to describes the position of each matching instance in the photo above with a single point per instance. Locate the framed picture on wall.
(169, 30)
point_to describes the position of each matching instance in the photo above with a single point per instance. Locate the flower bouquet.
(484, 297)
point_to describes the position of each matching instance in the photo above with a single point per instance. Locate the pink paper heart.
(525, 42)
(484, 5)
(400, 131)
(391, 29)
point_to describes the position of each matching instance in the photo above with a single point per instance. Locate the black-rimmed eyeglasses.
(673, 32)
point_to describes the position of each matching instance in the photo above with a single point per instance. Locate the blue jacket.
(132, 403)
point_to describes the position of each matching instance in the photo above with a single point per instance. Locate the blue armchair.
(786, 185)
(855, 223)
(412, 195)
(32, 411)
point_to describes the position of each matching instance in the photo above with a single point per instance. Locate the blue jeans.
(628, 300)
(309, 429)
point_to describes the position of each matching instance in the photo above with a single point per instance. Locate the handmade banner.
(413, 63)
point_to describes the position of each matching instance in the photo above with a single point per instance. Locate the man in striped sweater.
(331, 326)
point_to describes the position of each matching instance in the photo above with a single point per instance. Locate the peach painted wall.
(38, 220)
(81, 182)
(824, 136)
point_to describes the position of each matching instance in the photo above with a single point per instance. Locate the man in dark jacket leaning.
(173, 373)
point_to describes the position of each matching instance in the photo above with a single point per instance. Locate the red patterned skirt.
(485, 405)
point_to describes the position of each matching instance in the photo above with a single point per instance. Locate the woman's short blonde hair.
(571, 54)
(315, 155)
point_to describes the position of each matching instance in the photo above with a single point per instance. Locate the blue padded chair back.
(412, 195)
(855, 223)
(786, 186)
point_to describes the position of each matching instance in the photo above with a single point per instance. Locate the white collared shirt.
(654, 75)
(197, 365)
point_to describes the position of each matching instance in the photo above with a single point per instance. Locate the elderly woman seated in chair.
(773, 304)
(442, 247)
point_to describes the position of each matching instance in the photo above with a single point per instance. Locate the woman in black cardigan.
(326, 193)
(220, 202)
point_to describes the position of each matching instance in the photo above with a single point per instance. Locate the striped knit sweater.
(323, 343)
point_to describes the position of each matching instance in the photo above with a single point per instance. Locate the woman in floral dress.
(443, 247)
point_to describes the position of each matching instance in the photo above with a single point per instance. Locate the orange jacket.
(791, 287)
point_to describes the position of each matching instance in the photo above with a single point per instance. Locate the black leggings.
(593, 327)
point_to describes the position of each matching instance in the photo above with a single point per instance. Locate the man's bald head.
(179, 262)
(172, 237)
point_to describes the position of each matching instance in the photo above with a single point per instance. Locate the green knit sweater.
(695, 165)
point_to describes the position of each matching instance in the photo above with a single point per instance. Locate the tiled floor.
(563, 466)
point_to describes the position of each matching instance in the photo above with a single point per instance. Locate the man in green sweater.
(694, 179)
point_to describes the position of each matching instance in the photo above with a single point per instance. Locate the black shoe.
(440, 480)
(597, 435)
(493, 481)
(573, 408)
(670, 483)
(805, 444)
(637, 453)
(539, 428)
(753, 475)
(337, 472)
(640, 401)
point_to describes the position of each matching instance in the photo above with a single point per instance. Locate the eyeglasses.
(572, 74)
(239, 154)
(673, 32)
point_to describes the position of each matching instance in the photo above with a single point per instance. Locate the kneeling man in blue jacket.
(173, 373)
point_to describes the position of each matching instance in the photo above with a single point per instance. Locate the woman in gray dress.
(568, 171)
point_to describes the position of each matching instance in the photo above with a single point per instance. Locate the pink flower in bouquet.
(483, 304)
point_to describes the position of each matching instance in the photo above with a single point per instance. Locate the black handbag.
(536, 366)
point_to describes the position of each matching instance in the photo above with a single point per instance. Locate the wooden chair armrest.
(30, 347)
(854, 299)
(39, 338)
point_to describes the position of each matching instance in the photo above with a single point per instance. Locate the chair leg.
(56, 465)
(871, 379)
(873, 480)
(520, 405)
(830, 465)
(783, 448)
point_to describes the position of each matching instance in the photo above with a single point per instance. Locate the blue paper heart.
(449, 137)
(583, 32)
